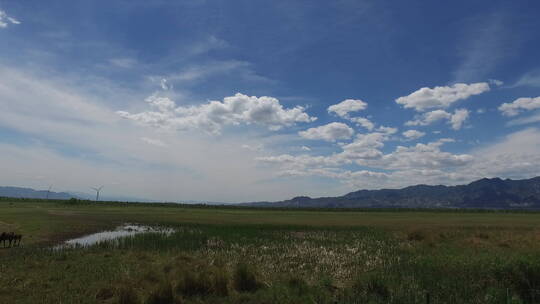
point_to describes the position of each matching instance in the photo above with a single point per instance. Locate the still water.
(120, 231)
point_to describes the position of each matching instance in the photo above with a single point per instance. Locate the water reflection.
(121, 231)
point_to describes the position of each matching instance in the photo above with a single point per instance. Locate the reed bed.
(282, 264)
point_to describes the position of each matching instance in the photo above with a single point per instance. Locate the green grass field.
(241, 255)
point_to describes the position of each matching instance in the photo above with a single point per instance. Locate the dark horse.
(11, 238)
(3, 239)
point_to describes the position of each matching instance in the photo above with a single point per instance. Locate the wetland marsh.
(241, 255)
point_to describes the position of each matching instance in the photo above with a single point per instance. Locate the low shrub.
(126, 295)
(245, 278)
(163, 294)
(372, 287)
(151, 276)
(104, 294)
(416, 235)
(220, 282)
(297, 284)
(195, 284)
(525, 278)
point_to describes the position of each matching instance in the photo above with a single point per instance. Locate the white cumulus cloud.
(343, 108)
(441, 97)
(456, 120)
(525, 120)
(418, 163)
(365, 146)
(6, 20)
(424, 156)
(364, 122)
(517, 155)
(212, 116)
(519, 105)
(387, 130)
(429, 118)
(330, 132)
(413, 134)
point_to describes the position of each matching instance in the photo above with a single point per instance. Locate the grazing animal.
(10, 238)
(17, 239)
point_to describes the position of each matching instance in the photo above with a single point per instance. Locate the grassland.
(239, 255)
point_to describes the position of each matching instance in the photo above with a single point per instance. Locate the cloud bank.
(520, 105)
(330, 132)
(343, 108)
(214, 115)
(413, 134)
(456, 120)
(441, 97)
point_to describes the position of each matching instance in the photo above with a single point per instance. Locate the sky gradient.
(235, 101)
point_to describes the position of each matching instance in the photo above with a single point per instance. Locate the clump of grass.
(297, 284)
(220, 282)
(195, 284)
(167, 268)
(61, 257)
(206, 282)
(183, 258)
(104, 293)
(143, 256)
(245, 278)
(505, 244)
(377, 287)
(524, 275)
(327, 283)
(416, 235)
(482, 235)
(372, 286)
(151, 276)
(201, 278)
(126, 295)
(163, 294)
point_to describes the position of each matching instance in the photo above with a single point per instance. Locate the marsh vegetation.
(448, 257)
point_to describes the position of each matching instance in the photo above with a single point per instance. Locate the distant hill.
(120, 198)
(112, 198)
(484, 193)
(19, 192)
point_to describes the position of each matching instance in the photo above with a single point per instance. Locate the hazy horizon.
(254, 101)
(105, 196)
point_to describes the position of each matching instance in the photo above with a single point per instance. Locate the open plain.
(248, 255)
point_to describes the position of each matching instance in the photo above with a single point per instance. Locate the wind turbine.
(48, 191)
(97, 192)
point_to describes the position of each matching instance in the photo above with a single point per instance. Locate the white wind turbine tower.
(48, 191)
(97, 191)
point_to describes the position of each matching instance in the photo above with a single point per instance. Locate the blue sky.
(265, 100)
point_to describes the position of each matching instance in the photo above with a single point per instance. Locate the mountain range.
(19, 192)
(492, 193)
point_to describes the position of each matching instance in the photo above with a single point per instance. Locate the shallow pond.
(120, 231)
